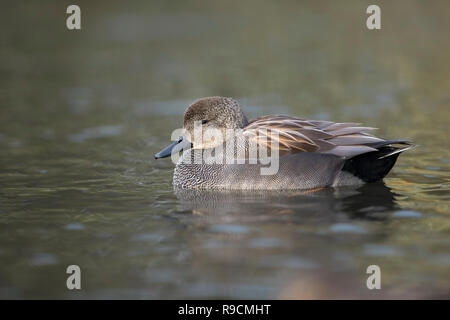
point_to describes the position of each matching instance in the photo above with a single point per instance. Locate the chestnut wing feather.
(292, 134)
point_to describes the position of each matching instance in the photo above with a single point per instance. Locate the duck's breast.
(296, 171)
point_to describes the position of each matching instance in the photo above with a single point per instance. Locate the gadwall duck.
(309, 154)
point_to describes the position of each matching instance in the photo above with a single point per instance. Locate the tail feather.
(398, 150)
(374, 166)
(390, 142)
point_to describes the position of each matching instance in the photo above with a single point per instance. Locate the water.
(82, 113)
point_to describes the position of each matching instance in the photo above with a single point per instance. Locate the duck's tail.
(374, 166)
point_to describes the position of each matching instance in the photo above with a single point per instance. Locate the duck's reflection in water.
(287, 244)
(369, 201)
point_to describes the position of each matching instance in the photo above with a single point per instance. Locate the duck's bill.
(179, 145)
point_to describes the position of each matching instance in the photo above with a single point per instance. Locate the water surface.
(83, 112)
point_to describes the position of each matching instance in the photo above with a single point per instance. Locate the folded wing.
(291, 135)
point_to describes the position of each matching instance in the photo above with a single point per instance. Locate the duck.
(309, 154)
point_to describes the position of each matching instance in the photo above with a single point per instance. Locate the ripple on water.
(300, 263)
(266, 243)
(347, 228)
(375, 250)
(289, 262)
(43, 259)
(95, 132)
(214, 244)
(229, 228)
(441, 259)
(433, 168)
(406, 214)
(147, 237)
(74, 226)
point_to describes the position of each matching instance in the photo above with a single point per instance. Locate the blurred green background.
(83, 112)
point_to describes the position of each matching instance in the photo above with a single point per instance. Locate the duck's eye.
(204, 121)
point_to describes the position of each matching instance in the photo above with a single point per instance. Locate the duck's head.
(211, 117)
